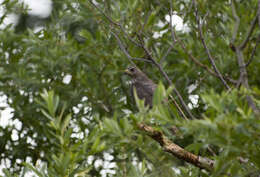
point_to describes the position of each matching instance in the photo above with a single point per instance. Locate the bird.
(144, 86)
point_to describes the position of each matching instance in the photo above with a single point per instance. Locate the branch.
(178, 107)
(122, 47)
(172, 32)
(166, 54)
(249, 33)
(148, 53)
(142, 59)
(253, 51)
(114, 23)
(208, 52)
(197, 62)
(177, 151)
(258, 13)
(170, 83)
(244, 79)
(109, 19)
(234, 12)
(251, 29)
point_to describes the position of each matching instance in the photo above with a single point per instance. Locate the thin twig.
(145, 21)
(197, 62)
(253, 52)
(122, 47)
(174, 89)
(178, 107)
(166, 54)
(172, 32)
(115, 23)
(103, 13)
(207, 50)
(249, 33)
(173, 37)
(176, 39)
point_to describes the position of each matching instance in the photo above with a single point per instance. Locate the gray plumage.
(144, 86)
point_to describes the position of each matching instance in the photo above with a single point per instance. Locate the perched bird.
(144, 86)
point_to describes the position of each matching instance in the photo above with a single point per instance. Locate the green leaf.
(159, 94)
(65, 123)
(194, 147)
(29, 166)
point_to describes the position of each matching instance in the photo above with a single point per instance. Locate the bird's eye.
(132, 69)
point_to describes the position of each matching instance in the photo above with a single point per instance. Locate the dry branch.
(177, 151)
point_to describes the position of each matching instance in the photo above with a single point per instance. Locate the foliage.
(67, 89)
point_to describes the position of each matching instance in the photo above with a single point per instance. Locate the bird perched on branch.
(144, 86)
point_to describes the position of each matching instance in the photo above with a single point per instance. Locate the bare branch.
(177, 151)
(207, 50)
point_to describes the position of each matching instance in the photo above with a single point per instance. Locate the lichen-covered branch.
(177, 151)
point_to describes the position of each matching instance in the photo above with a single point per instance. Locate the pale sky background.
(42, 8)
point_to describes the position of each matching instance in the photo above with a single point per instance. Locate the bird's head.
(135, 73)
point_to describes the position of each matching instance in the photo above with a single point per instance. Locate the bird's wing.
(149, 88)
